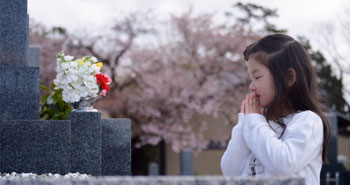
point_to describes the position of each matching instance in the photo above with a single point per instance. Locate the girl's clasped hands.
(251, 104)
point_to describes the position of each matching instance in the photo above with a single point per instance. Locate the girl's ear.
(291, 77)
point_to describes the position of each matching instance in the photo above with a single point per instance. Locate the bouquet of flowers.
(80, 78)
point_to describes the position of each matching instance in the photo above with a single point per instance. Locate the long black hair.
(279, 53)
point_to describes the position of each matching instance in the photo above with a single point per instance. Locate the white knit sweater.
(255, 148)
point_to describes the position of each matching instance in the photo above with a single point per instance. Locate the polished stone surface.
(116, 147)
(35, 146)
(19, 93)
(86, 142)
(33, 56)
(13, 32)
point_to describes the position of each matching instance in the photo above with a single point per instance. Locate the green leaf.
(58, 110)
(43, 87)
(53, 86)
(60, 105)
(45, 117)
(44, 99)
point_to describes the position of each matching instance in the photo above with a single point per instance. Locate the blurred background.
(178, 70)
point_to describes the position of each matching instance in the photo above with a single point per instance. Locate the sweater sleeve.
(237, 152)
(302, 143)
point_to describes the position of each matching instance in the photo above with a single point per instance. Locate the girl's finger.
(253, 99)
(242, 106)
(247, 100)
(250, 99)
(246, 107)
(257, 105)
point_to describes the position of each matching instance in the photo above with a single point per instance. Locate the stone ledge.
(173, 180)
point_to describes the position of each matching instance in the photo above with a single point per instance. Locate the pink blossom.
(197, 72)
(103, 92)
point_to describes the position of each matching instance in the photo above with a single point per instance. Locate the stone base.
(116, 147)
(35, 146)
(86, 142)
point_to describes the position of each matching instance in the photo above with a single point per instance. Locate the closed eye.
(258, 77)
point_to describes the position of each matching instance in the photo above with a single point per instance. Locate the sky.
(300, 17)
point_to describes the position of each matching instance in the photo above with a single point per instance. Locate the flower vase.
(85, 104)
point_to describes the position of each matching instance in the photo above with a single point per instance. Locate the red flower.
(103, 80)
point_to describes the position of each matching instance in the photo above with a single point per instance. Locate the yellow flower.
(85, 59)
(99, 64)
(80, 62)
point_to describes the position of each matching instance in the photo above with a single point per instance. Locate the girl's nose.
(252, 87)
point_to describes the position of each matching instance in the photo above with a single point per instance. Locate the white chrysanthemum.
(94, 59)
(77, 78)
(73, 65)
(68, 57)
(64, 65)
(95, 69)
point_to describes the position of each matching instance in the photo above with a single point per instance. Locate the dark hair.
(279, 53)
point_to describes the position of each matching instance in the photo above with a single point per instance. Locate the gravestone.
(153, 169)
(85, 143)
(186, 158)
(332, 151)
(333, 167)
(27, 144)
(19, 84)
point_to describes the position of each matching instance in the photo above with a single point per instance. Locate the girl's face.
(262, 83)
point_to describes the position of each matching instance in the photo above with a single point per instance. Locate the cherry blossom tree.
(166, 74)
(198, 71)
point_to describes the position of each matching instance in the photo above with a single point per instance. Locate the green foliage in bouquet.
(52, 105)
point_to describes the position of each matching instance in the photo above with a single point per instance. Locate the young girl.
(281, 129)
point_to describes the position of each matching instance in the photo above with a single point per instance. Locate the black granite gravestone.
(85, 143)
(26, 143)
(186, 163)
(19, 84)
(116, 147)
